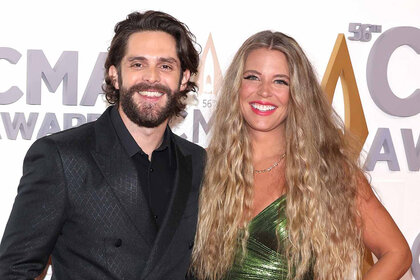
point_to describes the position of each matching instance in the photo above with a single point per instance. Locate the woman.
(283, 195)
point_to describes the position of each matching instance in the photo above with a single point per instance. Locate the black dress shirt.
(157, 176)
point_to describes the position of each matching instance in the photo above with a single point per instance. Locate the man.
(117, 198)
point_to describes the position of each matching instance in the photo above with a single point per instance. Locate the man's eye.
(136, 65)
(166, 67)
(251, 77)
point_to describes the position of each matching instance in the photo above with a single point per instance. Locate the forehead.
(263, 58)
(151, 44)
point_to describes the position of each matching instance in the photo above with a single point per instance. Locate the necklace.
(259, 171)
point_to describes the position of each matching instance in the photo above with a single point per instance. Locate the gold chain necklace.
(259, 171)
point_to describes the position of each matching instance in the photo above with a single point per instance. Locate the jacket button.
(191, 245)
(118, 243)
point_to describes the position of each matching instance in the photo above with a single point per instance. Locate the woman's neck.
(267, 145)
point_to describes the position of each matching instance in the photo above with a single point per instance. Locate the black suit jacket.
(79, 201)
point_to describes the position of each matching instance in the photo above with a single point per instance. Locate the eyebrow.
(169, 60)
(258, 73)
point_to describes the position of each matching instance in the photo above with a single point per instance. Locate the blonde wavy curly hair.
(321, 170)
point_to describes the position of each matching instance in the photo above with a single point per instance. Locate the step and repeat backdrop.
(51, 72)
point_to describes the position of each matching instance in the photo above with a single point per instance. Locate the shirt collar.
(128, 142)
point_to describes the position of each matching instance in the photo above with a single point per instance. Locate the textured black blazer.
(79, 200)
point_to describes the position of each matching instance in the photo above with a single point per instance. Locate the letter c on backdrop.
(377, 71)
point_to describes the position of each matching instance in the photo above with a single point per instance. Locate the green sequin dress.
(263, 261)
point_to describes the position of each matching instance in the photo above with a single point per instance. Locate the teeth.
(151, 93)
(263, 108)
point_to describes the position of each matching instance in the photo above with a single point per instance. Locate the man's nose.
(151, 75)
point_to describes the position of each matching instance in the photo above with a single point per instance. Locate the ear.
(113, 73)
(185, 78)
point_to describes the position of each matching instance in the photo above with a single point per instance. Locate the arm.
(382, 236)
(37, 214)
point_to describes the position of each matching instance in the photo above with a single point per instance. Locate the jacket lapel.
(121, 175)
(181, 191)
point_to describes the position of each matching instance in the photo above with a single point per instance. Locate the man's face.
(150, 78)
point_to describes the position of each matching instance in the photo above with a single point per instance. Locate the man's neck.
(148, 138)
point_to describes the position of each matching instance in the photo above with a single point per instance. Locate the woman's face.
(264, 91)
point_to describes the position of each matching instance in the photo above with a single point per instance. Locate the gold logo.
(340, 66)
(209, 74)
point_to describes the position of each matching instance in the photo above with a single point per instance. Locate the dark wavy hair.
(152, 21)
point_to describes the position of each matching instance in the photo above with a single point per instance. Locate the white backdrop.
(58, 26)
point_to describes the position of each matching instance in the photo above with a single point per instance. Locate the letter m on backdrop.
(64, 70)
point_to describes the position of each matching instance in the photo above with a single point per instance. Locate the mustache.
(147, 87)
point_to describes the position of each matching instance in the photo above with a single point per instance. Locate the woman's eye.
(281, 82)
(251, 77)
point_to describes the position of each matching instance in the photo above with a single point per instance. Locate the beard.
(147, 114)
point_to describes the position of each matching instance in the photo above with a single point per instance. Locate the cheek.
(243, 98)
(285, 101)
(126, 79)
(243, 103)
(284, 96)
(174, 82)
(245, 91)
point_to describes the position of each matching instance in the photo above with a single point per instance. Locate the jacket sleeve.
(37, 215)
